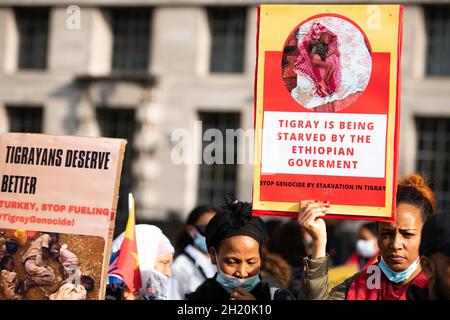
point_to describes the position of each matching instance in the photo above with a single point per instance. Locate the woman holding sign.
(234, 240)
(398, 241)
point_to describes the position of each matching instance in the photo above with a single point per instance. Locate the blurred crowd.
(228, 254)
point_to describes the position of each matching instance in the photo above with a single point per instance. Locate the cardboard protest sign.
(60, 185)
(327, 109)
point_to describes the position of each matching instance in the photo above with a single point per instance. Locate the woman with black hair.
(399, 269)
(192, 265)
(235, 240)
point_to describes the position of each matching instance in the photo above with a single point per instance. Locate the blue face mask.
(398, 277)
(200, 243)
(229, 282)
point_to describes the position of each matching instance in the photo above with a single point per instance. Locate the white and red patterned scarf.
(304, 65)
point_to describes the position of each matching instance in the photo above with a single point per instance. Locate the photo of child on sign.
(327, 110)
(326, 64)
(49, 266)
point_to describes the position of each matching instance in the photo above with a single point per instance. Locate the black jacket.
(416, 293)
(212, 290)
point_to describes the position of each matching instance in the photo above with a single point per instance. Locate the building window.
(437, 18)
(131, 38)
(25, 119)
(120, 123)
(433, 155)
(227, 28)
(32, 25)
(216, 180)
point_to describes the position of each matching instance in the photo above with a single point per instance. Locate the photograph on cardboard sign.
(326, 64)
(49, 266)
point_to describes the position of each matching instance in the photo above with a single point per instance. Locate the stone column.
(9, 44)
(146, 169)
(85, 114)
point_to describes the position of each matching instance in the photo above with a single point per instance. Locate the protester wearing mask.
(155, 255)
(398, 241)
(192, 265)
(435, 259)
(366, 247)
(234, 239)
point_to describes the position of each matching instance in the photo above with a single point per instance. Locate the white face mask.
(366, 248)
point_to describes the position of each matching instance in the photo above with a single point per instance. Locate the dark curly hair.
(240, 212)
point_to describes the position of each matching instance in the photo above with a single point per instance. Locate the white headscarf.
(151, 244)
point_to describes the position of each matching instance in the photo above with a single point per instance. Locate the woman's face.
(202, 222)
(370, 241)
(238, 256)
(399, 240)
(163, 264)
(325, 37)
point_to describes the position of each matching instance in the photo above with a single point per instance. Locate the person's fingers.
(304, 203)
(309, 222)
(242, 291)
(315, 214)
(239, 292)
(236, 292)
(301, 217)
(312, 209)
(237, 295)
(306, 215)
(307, 208)
(304, 208)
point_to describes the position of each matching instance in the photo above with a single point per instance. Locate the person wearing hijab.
(155, 256)
(234, 239)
